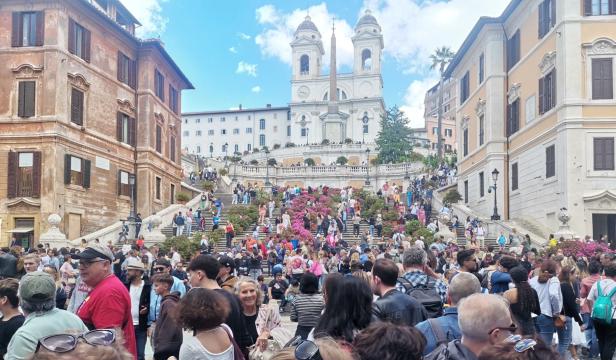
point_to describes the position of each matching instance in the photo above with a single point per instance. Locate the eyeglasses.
(89, 263)
(62, 343)
(159, 269)
(512, 329)
(304, 349)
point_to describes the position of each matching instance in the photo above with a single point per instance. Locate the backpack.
(441, 352)
(425, 294)
(602, 309)
(486, 282)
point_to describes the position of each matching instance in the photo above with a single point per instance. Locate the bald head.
(478, 314)
(463, 285)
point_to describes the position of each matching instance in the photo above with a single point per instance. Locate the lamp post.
(495, 216)
(235, 154)
(132, 216)
(226, 153)
(267, 182)
(364, 120)
(211, 150)
(367, 166)
(307, 130)
(407, 177)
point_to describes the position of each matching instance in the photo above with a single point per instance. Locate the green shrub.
(325, 142)
(243, 217)
(186, 246)
(412, 226)
(276, 146)
(182, 197)
(207, 185)
(416, 157)
(223, 172)
(255, 150)
(289, 145)
(309, 162)
(216, 236)
(341, 160)
(348, 141)
(452, 197)
(254, 162)
(388, 230)
(271, 162)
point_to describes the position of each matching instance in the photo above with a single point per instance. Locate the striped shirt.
(306, 309)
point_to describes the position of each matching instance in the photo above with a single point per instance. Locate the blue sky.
(237, 52)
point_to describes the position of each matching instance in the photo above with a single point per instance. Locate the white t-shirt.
(135, 296)
(607, 285)
(192, 349)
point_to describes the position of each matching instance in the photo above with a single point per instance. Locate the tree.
(309, 162)
(452, 197)
(271, 162)
(341, 160)
(392, 141)
(441, 57)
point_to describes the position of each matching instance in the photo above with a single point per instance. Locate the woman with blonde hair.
(60, 293)
(260, 319)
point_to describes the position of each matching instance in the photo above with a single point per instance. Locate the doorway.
(604, 224)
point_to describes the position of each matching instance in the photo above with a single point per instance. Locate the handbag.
(560, 321)
(273, 344)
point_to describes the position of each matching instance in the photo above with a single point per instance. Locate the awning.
(21, 230)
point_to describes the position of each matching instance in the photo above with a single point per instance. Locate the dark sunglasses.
(62, 343)
(512, 329)
(159, 269)
(304, 349)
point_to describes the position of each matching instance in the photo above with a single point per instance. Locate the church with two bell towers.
(336, 107)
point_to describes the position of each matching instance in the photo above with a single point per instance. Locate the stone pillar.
(155, 235)
(54, 237)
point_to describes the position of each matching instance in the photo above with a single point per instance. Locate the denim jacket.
(448, 324)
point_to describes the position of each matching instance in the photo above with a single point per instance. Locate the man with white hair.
(445, 328)
(484, 320)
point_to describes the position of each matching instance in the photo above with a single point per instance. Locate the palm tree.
(441, 57)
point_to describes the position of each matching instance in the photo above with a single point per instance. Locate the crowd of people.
(373, 298)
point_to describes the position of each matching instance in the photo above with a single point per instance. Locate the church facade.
(316, 111)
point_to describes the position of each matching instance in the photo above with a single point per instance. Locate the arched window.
(366, 59)
(342, 95)
(304, 65)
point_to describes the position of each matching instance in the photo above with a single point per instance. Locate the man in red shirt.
(108, 304)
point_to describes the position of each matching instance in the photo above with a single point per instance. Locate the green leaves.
(393, 139)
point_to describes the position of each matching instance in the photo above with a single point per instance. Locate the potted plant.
(182, 197)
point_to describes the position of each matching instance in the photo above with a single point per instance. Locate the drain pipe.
(506, 206)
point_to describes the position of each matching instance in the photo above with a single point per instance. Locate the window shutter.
(587, 7)
(613, 7)
(36, 174)
(21, 102)
(120, 66)
(67, 169)
(609, 154)
(119, 126)
(170, 97)
(71, 36)
(29, 98)
(541, 20)
(553, 88)
(597, 154)
(132, 73)
(86, 45)
(552, 5)
(540, 93)
(132, 131)
(40, 29)
(16, 34)
(608, 78)
(119, 182)
(76, 106)
(597, 87)
(12, 175)
(85, 167)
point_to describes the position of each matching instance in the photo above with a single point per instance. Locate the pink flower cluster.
(299, 206)
(580, 248)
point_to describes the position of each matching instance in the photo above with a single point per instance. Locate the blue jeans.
(372, 230)
(545, 328)
(564, 337)
(591, 335)
(142, 337)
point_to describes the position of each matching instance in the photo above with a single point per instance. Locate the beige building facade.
(448, 132)
(85, 108)
(536, 103)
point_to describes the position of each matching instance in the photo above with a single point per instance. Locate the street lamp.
(307, 130)
(235, 154)
(211, 150)
(495, 216)
(367, 166)
(364, 120)
(226, 153)
(267, 182)
(131, 183)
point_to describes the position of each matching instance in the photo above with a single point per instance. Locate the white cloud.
(149, 13)
(233, 50)
(256, 89)
(279, 27)
(413, 106)
(246, 68)
(243, 36)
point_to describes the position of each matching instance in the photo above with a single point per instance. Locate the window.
(481, 185)
(288, 115)
(288, 130)
(198, 149)
(603, 151)
(481, 129)
(236, 148)
(602, 79)
(547, 92)
(236, 131)
(28, 28)
(159, 85)
(123, 184)
(24, 174)
(185, 121)
(76, 171)
(513, 50)
(173, 99)
(464, 88)
(481, 68)
(76, 106)
(547, 17)
(237, 118)
(248, 130)
(125, 129)
(465, 142)
(366, 59)
(158, 187)
(599, 7)
(198, 132)
(210, 120)
(466, 191)
(448, 132)
(530, 109)
(210, 132)
(303, 132)
(222, 119)
(223, 131)
(26, 99)
(262, 124)
(197, 121)
(78, 40)
(304, 65)
(127, 70)
(275, 128)
(550, 161)
(224, 148)
(172, 148)
(159, 139)
(186, 133)
(249, 147)
(514, 176)
(172, 193)
(434, 130)
(262, 140)
(365, 128)
(513, 117)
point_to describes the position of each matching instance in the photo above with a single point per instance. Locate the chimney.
(269, 106)
(240, 106)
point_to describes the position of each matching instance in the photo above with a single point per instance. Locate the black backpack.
(426, 294)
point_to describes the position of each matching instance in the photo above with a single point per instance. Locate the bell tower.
(307, 50)
(368, 45)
